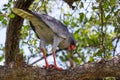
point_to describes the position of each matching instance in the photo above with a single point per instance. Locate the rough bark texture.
(13, 33)
(88, 71)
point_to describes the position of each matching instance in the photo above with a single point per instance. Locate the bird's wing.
(55, 25)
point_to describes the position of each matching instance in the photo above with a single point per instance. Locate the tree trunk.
(13, 33)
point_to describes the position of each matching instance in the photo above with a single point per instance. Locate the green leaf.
(2, 57)
(11, 15)
(91, 59)
(4, 9)
(1, 17)
(76, 59)
(81, 5)
(62, 58)
(68, 15)
(94, 7)
(66, 22)
(7, 5)
(81, 17)
(4, 21)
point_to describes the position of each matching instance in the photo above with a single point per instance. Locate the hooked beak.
(71, 48)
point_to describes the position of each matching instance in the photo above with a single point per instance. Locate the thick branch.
(13, 33)
(88, 71)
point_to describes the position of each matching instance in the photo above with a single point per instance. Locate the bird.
(50, 31)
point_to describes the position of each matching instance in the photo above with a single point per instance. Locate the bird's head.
(72, 45)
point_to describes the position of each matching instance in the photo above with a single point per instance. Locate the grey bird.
(50, 31)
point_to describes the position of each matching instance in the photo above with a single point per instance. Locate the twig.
(40, 59)
(115, 46)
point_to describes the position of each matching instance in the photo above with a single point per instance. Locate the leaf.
(4, 9)
(68, 15)
(91, 59)
(81, 17)
(2, 57)
(7, 5)
(11, 15)
(1, 17)
(66, 22)
(4, 21)
(94, 7)
(81, 5)
(62, 58)
(76, 59)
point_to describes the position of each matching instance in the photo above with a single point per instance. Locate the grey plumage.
(49, 30)
(47, 27)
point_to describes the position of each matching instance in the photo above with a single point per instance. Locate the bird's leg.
(55, 64)
(55, 44)
(42, 45)
(44, 55)
(54, 57)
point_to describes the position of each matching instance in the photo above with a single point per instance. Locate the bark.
(88, 71)
(13, 33)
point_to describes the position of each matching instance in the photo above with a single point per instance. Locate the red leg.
(54, 57)
(44, 55)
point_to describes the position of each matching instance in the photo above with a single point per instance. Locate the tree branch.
(88, 71)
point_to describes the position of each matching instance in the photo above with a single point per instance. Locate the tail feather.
(23, 13)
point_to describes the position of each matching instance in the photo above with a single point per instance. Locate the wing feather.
(55, 25)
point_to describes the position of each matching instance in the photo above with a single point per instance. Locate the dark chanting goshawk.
(50, 31)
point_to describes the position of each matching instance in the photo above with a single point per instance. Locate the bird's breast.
(64, 44)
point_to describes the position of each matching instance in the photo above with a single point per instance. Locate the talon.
(56, 67)
(53, 67)
(47, 66)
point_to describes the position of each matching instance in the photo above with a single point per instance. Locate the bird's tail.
(23, 13)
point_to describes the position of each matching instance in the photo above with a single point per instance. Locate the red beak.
(71, 47)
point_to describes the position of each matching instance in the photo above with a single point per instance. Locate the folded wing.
(55, 25)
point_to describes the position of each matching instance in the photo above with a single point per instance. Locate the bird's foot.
(53, 67)
(56, 67)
